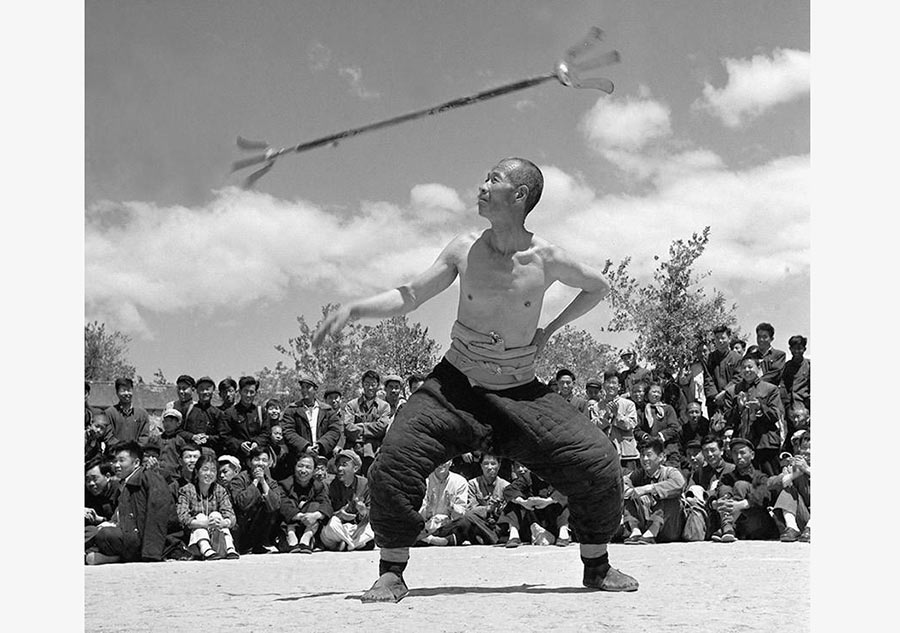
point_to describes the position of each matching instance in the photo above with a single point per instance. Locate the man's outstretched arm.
(400, 300)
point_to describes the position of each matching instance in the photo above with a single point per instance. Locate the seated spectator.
(256, 498)
(101, 494)
(244, 426)
(171, 443)
(661, 422)
(204, 509)
(793, 505)
(795, 377)
(366, 419)
(752, 408)
(144, 522)
(771, 360)
(715, 467)
(444, 506)
(653, 498)
(618, 419)
(95, 432)
(305, 506)
(282, 459)
(203, 423)
(535, 508)
(228, 389)
(672, 394)
(743, 497)
(185, 473)
(321, 472)
(348, 528)
(639, 398)
(694, 462)
(486, 502)
(89, 411)
(311, 426)
(229, 468)
(695, 426)
(129, 423)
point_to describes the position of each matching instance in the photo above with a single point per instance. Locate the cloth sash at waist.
(486, 361)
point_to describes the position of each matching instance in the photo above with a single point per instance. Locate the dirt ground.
(701, 587)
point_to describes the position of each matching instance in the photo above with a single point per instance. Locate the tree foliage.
(576, 350)
(105, 353)
(390, 346)
(671, 313)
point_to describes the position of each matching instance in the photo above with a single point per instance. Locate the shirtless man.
(484, 395)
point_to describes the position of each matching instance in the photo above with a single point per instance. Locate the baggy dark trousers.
(447, 417)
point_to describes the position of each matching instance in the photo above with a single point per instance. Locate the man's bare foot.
(388, 588)
(612, 580)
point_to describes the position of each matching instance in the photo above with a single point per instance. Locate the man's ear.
(521, 193)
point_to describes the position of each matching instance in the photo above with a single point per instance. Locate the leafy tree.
(279, 382)
(159, 378)
(576, 350)
(671, 313)
(394, 346)
(105, 353)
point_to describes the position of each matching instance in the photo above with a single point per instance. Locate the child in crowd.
(282, 463)
(305, 506)
(171, 443)
(348, 528)
(204, 509)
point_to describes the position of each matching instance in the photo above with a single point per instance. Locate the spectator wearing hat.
(204, 509)
(742, 498)
(229, 468)
(129, 423)
(170, 444)
(311, 426)
(305, 506)
(348, 528)
(633, 373)
(393, 393)
(144, 523)
(771, 360)
(694, 460)
(184, 389)
(723, 365)
(204, 422)
(795, 377)
(653, 498)
(366, 420)
(332, 397)
(617, 417)
(565, 381)
(752, 408)
(244, 426)
(256, 497)
(592, 390)
(228, 390)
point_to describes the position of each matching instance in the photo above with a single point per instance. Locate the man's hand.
(309, 518)
(91, 515)
(199, 438)
(468, 458)
(258, 474)
(800, 465)
(245, 446)
(538, 503)
(540, 340)
(332, 324)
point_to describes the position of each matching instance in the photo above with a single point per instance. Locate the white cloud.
(353, 74)
(627, 124)
(757, 84)
(319, 56)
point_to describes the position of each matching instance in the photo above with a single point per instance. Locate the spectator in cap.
(348, 528)
(632, 373)
(204, 422)
(366, 420)
(229, 468)
(257, 501)
(565, 382)
(170, 443)
(653, 498)
(129, 423)
(742, 499)
(204, 509)
(332, 397)
(228, 390)
(393, 393)
(305, 506)
(694, 460)
(771, 360)
(184, 388)
(245, 426)
(311, 426)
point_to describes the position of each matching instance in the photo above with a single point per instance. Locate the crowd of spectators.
(718, 450)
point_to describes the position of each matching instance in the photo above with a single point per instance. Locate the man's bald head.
(523, 172)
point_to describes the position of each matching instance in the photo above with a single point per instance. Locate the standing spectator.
(348, 528)
(204, 509)
(184, 387)
(653, 498)
(795, 377)
(244, 424)
(671, 392)
(228, 389)
(639, 398)
(89, 411)
(535, 508)
(305, 506)
(366, 420)
(565, 381)
(203, 422)
(170, 443)
(311, 426)
(696, 427)
(633, 373)
(692, 378)
(414, 382)
(129, 423)
(486, 501)
(723, 365)
(771, 360)
(661, 423)
(144, 514)
(753, 410)
(393, 393)
(257, 500)
(95, 445)
(618, 419)
(738, 346)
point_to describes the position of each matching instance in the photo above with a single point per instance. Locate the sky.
(709, 125)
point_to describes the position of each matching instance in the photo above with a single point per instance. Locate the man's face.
(320, 471)
(443, 470)
(189, 459)
(95, 481)
(701, 352)
(497, 193)
(307, 392)
(346, 468)
(273, 411)
(592, 392)
(227, 393)
(125, 394)
(748, 371)
(799, 416)
(260, 461)
(696, 457)
(126, 463)
(489, 467)
(739, 347)
(99, 425)
(742, 455)
(565, 384)
(694, 413)
(797, 351)
(248, 394)
(654, 394)
(650, 460)
(303, 471)
(392, 391)
(763, 339)
(519, 469)
(333, 400)
(205, 392)
(370, 388)
(185, 392)
(639, 394)
(277, 433)
(712, 454)
(227, 472)
(721, 340)
(170, 424)
(611, 387)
